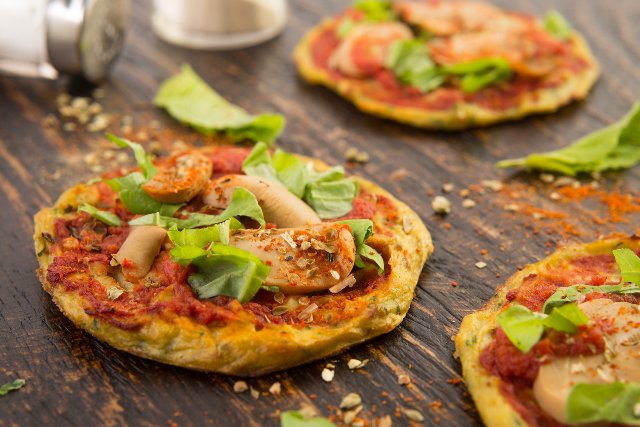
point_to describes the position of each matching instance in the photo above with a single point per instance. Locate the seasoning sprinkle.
(351, 400)
(275, 389)
(481, 264)
(441, 205)
(240, 387)
(413, 415)
(327, 375)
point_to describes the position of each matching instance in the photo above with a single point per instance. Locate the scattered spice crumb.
(327, 375)
(441, 205)
(404, 379)
(413, 415)
(481, 264)
(351, 400)
(275, 389)
(240, 387)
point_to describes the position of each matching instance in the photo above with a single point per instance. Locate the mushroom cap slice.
(139, 250)
(279, 205)
(302, 260)
(182, 181)
(620, 362)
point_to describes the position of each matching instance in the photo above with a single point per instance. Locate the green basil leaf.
(108, 218)
(292, 172)
(361, 230)
(577, 292)
(258, 163)
(243, 204)
(201, 237)
(331, 199)
(610, 403)
(136, 200)
(478, 74)
(13, 385)
(190, 100)
(410, 62)
(296, 419)
(566, 318)
(375, 10)
(144, 160)
(613, 147)
(523, 327)
(557, 25)
(185, 255)
(228, 271)
(629, 264)
(328, 192)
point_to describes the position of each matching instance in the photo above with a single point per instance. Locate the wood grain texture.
(73, 379)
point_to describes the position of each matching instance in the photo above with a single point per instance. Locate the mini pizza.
(560, 342)
(447, 64)
(231, 260)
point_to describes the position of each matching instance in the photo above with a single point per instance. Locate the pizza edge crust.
(237, 348)
(463, 115)
(476, 330)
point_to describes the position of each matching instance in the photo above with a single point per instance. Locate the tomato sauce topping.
(82, 247)
(518, 370)
(384, 86)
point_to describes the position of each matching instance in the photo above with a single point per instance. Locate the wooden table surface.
(73, 379)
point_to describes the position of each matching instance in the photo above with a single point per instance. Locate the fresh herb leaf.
(362, 229)
(524, 328)
(190, 100)
(201, 237)
(629, 264)
(577, 292)
(610, 403)
(243, 204)
(136, 200)
(228, 271)
(566, 318)
(557, 25)
(108, 218)
(614, 147)
(478, 74)
(410, 62)
(375, 10)
(331, 199)
(345, 27)
(144, 160)
(14, 385)
(296, 419)
(329, 193)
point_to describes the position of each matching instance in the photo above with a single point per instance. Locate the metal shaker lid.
(84, 37)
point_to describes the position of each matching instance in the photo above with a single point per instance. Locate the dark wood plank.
(73, 379)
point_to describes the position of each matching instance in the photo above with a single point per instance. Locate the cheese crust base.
(464, 114)
(476, 333)
(237, 347)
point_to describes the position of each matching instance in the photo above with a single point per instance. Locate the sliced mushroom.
(182, 181)
(137, 253)
(620, 362)
(302, 260)
(278, 204)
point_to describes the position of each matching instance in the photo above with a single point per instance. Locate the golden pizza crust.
(464, 114)
(476, 333)
(238, 348)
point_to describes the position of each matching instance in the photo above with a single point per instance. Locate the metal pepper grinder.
(46, 37)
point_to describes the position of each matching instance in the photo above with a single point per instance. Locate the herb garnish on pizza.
(447, 64)
(231, 260)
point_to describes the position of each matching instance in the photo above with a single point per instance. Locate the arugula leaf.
(201, 237)
(243, 203)
(144, 160)
(136, 200)
(14, 385)
(108, 218)
(611, 403)
(296, 419)
(614, 147)
(524, 328)
(478, 74)
(190, 100)
(557, 25)
(375, 10)
(577, 292)
(362, 229)
(228, 271)
(410, 62)
(629, 264)
(329, 193)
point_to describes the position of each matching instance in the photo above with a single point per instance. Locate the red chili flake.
(454, 283)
